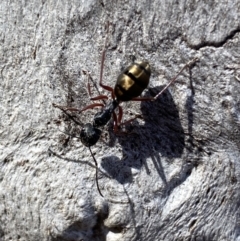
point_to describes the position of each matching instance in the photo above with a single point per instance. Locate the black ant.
(129, 86)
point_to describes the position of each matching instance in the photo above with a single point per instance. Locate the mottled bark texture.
(174, 176)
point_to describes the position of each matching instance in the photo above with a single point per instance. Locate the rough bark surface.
(175, 176)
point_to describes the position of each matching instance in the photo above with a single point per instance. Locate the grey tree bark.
(175, 176)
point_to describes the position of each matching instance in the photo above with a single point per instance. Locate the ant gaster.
(129, 86)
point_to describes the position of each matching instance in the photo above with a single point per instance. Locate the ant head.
(90, 135)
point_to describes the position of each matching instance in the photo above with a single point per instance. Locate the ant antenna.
(96, 171)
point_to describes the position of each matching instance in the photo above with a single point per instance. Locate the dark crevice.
(215, 44)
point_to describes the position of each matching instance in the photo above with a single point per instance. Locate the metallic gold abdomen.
(132, 81)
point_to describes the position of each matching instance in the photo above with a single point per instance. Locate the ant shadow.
(161, 135)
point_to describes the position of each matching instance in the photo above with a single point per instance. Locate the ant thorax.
(102, 117)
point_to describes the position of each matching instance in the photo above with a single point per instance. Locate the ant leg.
(170, 83)
(106, 87)
(117, 119)
(184, 67)
(115, 122)
(120, 115)
(100, 97)
(130, 120)
(152, 98)
(92, 106)
(66, 108)
(142, 99)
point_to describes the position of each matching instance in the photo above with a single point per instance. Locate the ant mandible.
(129, 86)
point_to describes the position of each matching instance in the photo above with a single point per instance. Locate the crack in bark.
(215, 43)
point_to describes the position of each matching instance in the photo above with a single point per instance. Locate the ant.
(129, 86)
